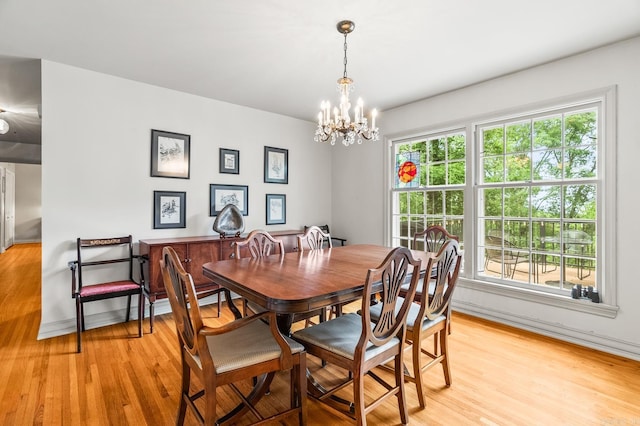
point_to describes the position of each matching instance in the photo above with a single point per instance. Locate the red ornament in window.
(407, 171)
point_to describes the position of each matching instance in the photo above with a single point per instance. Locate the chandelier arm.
(372, 135)
(324, 132)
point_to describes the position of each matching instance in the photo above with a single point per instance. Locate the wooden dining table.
(301, 282)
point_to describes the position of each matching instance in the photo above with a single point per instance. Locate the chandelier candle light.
(340, 124)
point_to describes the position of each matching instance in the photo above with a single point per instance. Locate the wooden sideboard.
(195, 252)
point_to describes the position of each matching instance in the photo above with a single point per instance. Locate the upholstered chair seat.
(256, 341)
(341, 336)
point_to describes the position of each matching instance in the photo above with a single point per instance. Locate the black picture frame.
(169, 209)
(276, 209)
(221, 195)
(170, 154)
(229, 161)
(276, 165)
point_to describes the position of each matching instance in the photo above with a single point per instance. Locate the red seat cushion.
(106, 288)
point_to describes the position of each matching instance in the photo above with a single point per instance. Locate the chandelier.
(4, 126)
(340, 124)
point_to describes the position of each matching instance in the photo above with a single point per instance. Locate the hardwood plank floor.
(501, 375)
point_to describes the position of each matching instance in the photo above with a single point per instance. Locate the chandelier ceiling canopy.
(338, 123)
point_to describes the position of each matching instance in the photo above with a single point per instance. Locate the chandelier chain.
(345, 56)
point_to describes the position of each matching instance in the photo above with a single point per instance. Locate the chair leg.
(82, 315)
(358, 395)
(301, 376)
(219, 296)
(245, 308)
(186, 381)
(416, 350)
(128, 308)
(79, 324)
(151, 314)
(210, 406)
(444, 347)
(293, 384)
(402, 402)
(140, 313)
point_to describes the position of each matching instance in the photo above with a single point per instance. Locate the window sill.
(600, 309)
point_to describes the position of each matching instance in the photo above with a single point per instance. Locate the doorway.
(7, 208)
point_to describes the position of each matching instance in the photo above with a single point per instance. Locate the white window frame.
(606, 201)
(424, 189)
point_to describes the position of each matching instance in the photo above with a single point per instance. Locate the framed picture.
(276, 209)
(229, 161)
(276, 165)
(170, 153)
(221, 195)
(169, 209)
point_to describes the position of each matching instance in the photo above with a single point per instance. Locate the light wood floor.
(501, 375)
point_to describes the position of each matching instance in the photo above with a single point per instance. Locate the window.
(430, 176)
(536, 199)
(538, 186)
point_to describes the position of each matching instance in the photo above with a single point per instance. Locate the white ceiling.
(285, 56)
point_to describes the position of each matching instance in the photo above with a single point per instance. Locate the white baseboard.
(590, 340)
(28, 241)
(68, 326)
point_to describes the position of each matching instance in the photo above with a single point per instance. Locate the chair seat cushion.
(412, 316)
(432, 288)
(341, 336)
(246, 346)
(109, 288)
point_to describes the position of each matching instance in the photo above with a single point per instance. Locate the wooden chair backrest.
(84, 244)
(324, 228)
(259, 243)
(444, 278)
(433, 238)
(314, 238)
(184, 302)
(391, 273)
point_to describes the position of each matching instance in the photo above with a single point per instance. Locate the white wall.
(96, 166)
(28, 203)
(357, 192)
(617, 64)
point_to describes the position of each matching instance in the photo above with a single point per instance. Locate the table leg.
(260, 388)
(284, 323)
(232, 306)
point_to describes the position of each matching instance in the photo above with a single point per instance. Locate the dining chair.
(430, 316)
(258, 244)
(430, 240)
(105, 275)
(355, 343)
(325, 229)
(314, 238)
(235, 352)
